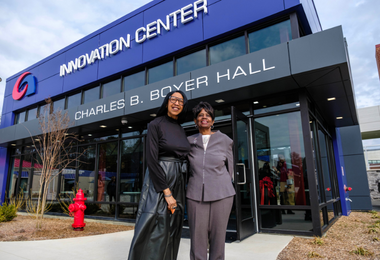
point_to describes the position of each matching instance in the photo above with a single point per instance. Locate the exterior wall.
(355, 170)
(205, 27)
(4, 159)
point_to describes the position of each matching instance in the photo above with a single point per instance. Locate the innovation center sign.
(151, 30)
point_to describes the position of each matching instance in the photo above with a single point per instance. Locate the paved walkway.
(115, 246)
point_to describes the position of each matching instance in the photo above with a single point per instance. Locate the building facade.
(280, 85)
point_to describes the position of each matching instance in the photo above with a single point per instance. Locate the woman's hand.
(172, 203)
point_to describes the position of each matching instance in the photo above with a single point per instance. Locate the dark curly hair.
(206, 106)
(163, 110)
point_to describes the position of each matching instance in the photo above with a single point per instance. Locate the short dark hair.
(163, 110)
(206, 106)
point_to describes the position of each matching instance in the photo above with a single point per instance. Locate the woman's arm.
(230, 158)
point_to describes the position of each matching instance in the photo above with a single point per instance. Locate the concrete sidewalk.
(115, 246)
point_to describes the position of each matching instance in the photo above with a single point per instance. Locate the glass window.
(45, 110)
(275, 103)
(91, 94)
(20, 118)
(134, 81)
(32, 113)
(68, 163)
(160, 72)
(14, 177)
(131, 172)
(111, 88)
(270, 36)
(59, 104)
(325, 165)
(273, 219)
(87, 171)
(107, 171)
(36, 178)
(227, 50)
(191, 62)
(281, 160)
(74, 100)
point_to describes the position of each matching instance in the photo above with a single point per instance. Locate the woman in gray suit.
(210, 192)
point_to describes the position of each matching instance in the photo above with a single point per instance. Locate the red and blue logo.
(25, 85)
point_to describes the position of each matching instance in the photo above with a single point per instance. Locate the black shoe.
(291, 212)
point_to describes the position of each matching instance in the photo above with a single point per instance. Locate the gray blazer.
(212, 169)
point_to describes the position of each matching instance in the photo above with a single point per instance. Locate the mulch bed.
(23, 228)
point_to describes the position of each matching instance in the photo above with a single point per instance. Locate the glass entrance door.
(243, 178)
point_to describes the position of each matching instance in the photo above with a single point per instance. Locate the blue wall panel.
(3, 172)
(224, 16)
(6, 120)
(127, 58)
(50, 67)
(8, 104)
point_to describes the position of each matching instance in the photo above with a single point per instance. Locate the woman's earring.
(196, 127)
(212, 127)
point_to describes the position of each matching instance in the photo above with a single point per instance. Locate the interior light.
(331, 99)
(13, 144)
(103, 126)
(339, 117)
(129, 127)
(36, 140)
(219, 101)
(264, 106)
(255, 102)
(117, 130)
(89, 134)
(298, 104)
(153, 115)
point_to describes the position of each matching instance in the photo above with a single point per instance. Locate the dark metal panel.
(351, 140)
(356, 174)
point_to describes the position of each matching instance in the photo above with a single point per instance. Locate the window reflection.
(91, 94)
(191, 62)
(87, 171)
(32, 113)
(270, 36)
(74, 100)
(107, 171)
(68, 173)
(134, 81)
(325, 165)
(20, 118)
(59, 104)
(13, 177)
(227, 50)
(160, 72)
(281, 160)
(111, 88)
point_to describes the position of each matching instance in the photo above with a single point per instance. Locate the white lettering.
(90, 58)
(165, 26)
(154, 93)
(252, 72)
(81, 62)
(105, 109)
(77, 113)
(225, 75)
(151, 28)
(113, 50)
(127, 43)
(238, 74)
(162, 90)
(188, 84)
(99, 109)
(264, 68)
(121, 104)
(92, 112)
(184, 14)
(198, 9)
(134, 100)
(174, 14)
(142, 29)
(85, 113)
(73, 65)
(96, 55)
(101, 48)
(113, 106)
(178, 87)
(205, 81)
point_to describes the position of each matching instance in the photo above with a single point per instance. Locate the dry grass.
(23, 228)
(353, 237)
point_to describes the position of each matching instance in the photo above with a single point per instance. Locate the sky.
(33, 30)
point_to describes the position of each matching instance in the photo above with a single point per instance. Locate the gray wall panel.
(360, 203)
(351, 140)
(356, 175)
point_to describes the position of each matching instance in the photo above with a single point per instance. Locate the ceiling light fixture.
(298, 104)
(331, 99)
(153, 115)
(255, 102)
(339, 117)
(219, 101)
(89, 134)
(103, 126)
(129, 127)
(13, 144)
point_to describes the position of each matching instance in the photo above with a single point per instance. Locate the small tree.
(51, 147)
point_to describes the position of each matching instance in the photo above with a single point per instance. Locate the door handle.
(245, 180)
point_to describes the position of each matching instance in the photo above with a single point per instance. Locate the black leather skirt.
(157, 231)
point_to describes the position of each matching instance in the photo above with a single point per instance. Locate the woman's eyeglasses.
(175, 99)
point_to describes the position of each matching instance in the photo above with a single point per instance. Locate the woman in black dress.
(158, 230)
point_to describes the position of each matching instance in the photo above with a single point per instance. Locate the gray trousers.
(208, 224)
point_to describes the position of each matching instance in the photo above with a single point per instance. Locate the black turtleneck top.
(165, 137)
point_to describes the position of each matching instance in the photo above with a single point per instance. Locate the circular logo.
(25, 85)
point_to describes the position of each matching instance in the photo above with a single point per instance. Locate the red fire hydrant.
(77, 209)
